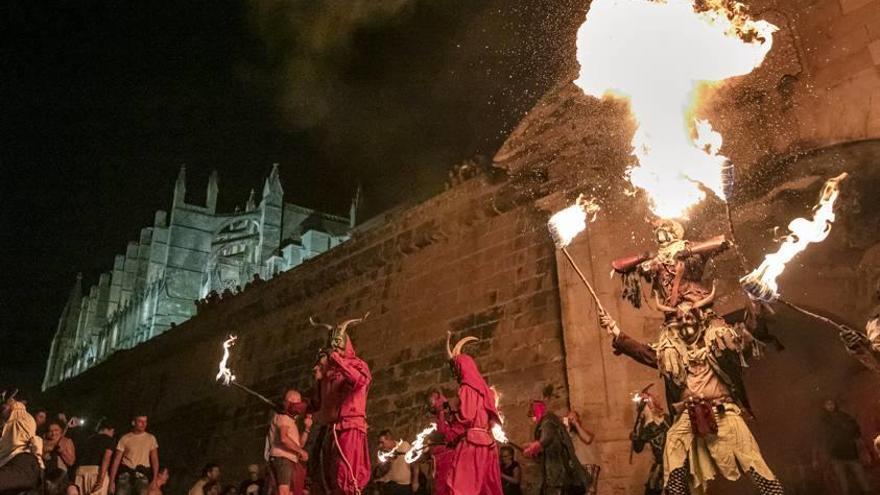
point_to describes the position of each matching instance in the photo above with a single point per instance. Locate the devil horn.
(457, 349)
(317, 324)
(354, 321)
(448, 347)
(661, 306)
(706, 300)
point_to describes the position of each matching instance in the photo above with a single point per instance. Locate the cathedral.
(182, 258)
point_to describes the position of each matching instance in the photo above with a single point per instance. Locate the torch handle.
(256, 394)
(840, 327)
(586, 282)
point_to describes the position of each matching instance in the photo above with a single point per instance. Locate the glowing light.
(761, 282)
(418, 445)
(224, 373)
(387, 456)
(678, 48)
(498, 428)
(566, 224)
(637, 398)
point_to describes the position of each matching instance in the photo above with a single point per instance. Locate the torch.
(761, 283)
(565, 225)
(225, 375)
(419, 444)
(641, 403)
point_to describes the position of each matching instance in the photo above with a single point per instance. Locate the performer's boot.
(765, 486)
(678, 482)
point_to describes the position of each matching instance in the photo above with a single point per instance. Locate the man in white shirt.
(20, 448)
(401, 478)
(136, 463)
(284, 450)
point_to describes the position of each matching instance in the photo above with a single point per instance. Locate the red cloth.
(444, 454)
(475, 467)
(343, 406)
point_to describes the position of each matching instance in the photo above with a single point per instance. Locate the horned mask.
(338, 335)
(687, 317)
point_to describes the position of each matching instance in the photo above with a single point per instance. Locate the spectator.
(212, 488)
(253, 485)
(841, 438)
(20, 447)
(229, 490)
(95, 458)
(136, 463)
(584, 448)
(159, 482)
(284, 449)
(59, 454)
(511, 473)
(211, 472)
(401, 478)
(40, 417)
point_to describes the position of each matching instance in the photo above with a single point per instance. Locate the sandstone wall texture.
(476, 260)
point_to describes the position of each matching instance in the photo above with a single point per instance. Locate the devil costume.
(475, 465)
(562, 474)
(342, 405)
(700, 357)
(442, 450)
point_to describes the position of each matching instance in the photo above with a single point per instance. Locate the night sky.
(101, 102)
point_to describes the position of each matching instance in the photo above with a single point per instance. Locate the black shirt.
(840, 432)
(251, 487)
(95, 446)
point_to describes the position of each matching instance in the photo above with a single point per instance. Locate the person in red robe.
(442, 449)
(475, 466)
(342, 405)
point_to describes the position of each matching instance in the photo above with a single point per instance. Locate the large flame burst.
(658, 55)
(418, 445)
(761, 282)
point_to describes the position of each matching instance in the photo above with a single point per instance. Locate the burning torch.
(761, 283)
(565, 225)
(226, 375)
(419, 444)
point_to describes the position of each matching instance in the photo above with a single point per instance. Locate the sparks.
(660, 67)
(418, 445)
(387, 456)
(224, 373)
(761, 282)
(566, 224)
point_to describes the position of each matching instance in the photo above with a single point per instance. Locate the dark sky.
(101, 102)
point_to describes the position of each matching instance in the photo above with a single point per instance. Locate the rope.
(354, 480)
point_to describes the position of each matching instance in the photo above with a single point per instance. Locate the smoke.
(306, 43)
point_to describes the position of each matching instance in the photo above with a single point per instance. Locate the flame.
(566, 224)
(498, 428)
(637, 398)
(677, 48)
(224, 373)
(418, 445)
(387, 456)
(761, 282)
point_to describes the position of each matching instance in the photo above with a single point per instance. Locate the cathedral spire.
(213, 189)
(273, 183)
(180, 187)
(251, 204)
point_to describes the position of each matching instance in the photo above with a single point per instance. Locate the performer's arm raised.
(624, 344)
(357, 376)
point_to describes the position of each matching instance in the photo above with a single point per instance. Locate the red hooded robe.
(475, 466)
(343, 407)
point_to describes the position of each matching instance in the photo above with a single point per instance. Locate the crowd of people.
(214, 297)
